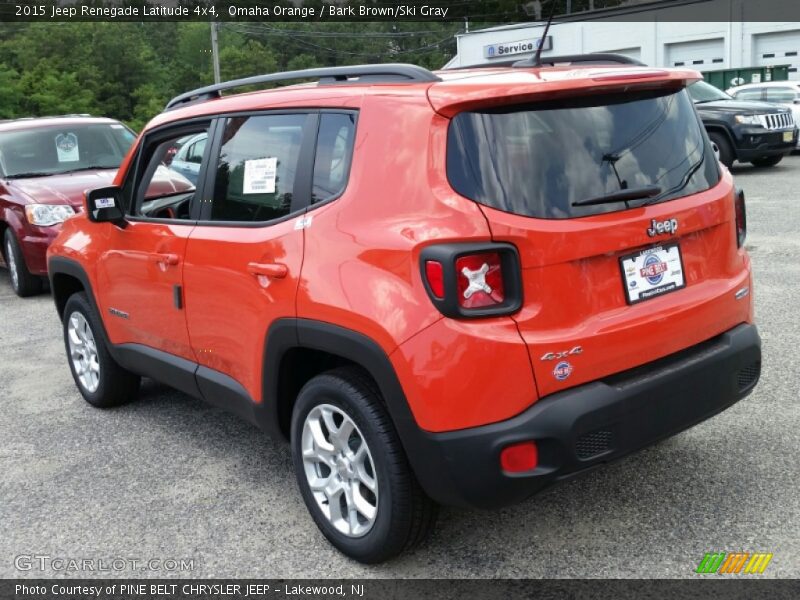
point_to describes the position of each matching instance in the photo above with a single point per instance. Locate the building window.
(679, 64)
(697, 62)
(792, 53)
(769, 55)
(717, 60)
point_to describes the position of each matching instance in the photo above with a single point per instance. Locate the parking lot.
(169, 478)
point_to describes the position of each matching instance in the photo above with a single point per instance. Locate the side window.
(748, 94)
(257, 167)
(195, 152)
(163, 190)
(333, 156)
(781, 95)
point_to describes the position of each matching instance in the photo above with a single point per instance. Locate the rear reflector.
(480, 280)
(519, 458)
(434, 273)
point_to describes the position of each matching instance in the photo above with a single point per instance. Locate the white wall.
(654, 38)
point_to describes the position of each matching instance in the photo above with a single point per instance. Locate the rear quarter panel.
(361, 259)
(362, 271)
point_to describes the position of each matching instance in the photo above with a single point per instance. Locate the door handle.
(165, 259)
(273, 270)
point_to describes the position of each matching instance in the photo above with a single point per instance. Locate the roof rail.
(596, 58)
(381, 73)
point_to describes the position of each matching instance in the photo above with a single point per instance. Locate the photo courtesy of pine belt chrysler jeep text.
(452, 288)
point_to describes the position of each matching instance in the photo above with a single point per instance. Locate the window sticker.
(67, 147)
(260, 175)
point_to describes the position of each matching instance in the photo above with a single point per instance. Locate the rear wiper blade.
(640, 193)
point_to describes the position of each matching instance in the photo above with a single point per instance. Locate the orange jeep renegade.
(442, 288)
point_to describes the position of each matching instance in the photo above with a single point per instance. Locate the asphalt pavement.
(204, 494)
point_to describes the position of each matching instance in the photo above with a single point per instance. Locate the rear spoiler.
(517, 86)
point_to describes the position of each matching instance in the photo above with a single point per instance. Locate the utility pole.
(215, 50)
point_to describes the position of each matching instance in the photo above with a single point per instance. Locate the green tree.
(47, 91)
(246, 59)
(11, 96)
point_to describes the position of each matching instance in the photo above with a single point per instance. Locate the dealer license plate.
(652, 272)
(788, 135)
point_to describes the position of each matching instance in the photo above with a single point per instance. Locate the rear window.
(536, 160)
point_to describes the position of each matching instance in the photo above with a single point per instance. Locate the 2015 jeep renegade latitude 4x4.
(450, 288)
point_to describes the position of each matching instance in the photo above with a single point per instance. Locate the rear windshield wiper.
(639, 193)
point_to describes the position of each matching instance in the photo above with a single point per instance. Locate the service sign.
(520, 47)
(652, 272)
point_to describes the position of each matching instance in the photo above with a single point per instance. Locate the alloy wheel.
(83, 352)
(11, 261)
(339, 469)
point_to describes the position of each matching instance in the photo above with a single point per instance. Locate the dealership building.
(655, 36)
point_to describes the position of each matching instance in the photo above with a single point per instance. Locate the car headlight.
(48, 214)
(748, 119)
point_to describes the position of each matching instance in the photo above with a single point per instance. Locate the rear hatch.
(623, 219)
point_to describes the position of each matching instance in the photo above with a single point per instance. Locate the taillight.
(480, 280)
(519, 458)
(473, 280)
(741, 218)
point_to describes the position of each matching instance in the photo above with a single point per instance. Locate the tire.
(22, 281)
(767, 161)
(403, 515)
(722, 148)
(101, 381)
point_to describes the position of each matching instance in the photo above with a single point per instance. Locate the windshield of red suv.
(53, 150)
(578, 157)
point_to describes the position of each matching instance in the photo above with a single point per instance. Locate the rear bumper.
(584, 427)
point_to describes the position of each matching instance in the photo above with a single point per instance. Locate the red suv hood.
(63, 189)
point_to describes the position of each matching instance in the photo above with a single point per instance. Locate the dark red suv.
(46, 164)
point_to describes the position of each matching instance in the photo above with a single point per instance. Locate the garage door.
(780, 48)
(703, 55)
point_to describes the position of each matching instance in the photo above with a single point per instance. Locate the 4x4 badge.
(661, 227)
(564, 354)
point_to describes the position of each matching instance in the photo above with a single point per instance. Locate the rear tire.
(344, 442)
(22, 281)
(722, 148)
(767, 161)
(100, 380)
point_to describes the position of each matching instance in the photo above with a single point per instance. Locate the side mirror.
(104, 205)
